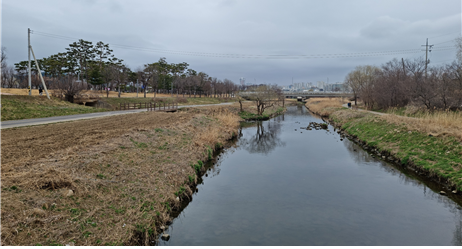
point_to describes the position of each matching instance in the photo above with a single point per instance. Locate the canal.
(282, 185)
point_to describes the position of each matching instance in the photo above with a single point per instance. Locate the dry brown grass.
(325, 106)
(436, 123)
(123, 172)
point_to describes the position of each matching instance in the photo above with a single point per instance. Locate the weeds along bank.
(432, 147)
(107, 181)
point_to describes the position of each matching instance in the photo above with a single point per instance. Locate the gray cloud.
(257, 27)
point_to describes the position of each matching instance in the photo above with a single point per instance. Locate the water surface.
(282, 185)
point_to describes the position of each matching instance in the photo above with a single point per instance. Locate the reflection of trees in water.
(266, 138)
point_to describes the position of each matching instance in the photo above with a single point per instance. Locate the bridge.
(307, 95)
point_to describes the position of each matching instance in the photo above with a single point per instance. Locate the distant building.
(242, 81)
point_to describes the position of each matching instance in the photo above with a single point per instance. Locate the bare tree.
(422, 90)
(70, 88)
(264, 97)
(390, 88)
(360, 81)
(458, 42)
(3, 57)
(8, 79)
(455, 73)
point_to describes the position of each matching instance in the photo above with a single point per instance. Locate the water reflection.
(430, 190)
(281, 187)
(457, 240)
(266, 139)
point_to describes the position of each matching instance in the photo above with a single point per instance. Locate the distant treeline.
(96, 67)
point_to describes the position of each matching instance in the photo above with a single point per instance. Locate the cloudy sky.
(264, 41)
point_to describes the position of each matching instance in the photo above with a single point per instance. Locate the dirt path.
(378, 113)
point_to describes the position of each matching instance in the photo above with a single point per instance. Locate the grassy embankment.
(111, 181)
(16, 107)
(431, 143)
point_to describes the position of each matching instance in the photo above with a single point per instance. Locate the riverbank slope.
(436, 155)
(105, 181)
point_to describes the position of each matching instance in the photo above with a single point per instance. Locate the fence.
(150, 106)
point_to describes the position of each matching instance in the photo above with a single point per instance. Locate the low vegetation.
(430, 142)
(16, 107)
(269, 113)
(110, 182)
(325, 106)
(115, 102)
(250, 112)
(438, 123)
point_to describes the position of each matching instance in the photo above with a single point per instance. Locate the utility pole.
(40, 73)
(426, 56)
(137, 86)
(28, 53)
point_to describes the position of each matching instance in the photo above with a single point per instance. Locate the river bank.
(438, 158)
(105, 181)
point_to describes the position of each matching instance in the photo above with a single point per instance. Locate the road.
(49, 120)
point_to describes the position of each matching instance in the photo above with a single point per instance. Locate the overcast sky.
(273, 40)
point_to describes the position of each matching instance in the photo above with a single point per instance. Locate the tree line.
(398, 83)
(85, 66)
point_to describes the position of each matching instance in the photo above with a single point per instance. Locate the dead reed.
(435, 123)
(325, 106)
(115, 190)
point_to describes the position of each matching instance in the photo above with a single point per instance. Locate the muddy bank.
(438, 159)
(106, 181)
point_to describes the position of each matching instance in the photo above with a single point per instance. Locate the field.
(105, 181)
(115, 102)
(22, 106)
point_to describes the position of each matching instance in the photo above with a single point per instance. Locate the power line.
(458, 32)
(444, 42)
(245, 56)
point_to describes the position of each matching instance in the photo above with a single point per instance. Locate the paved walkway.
(378, 113)
(40, 121)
